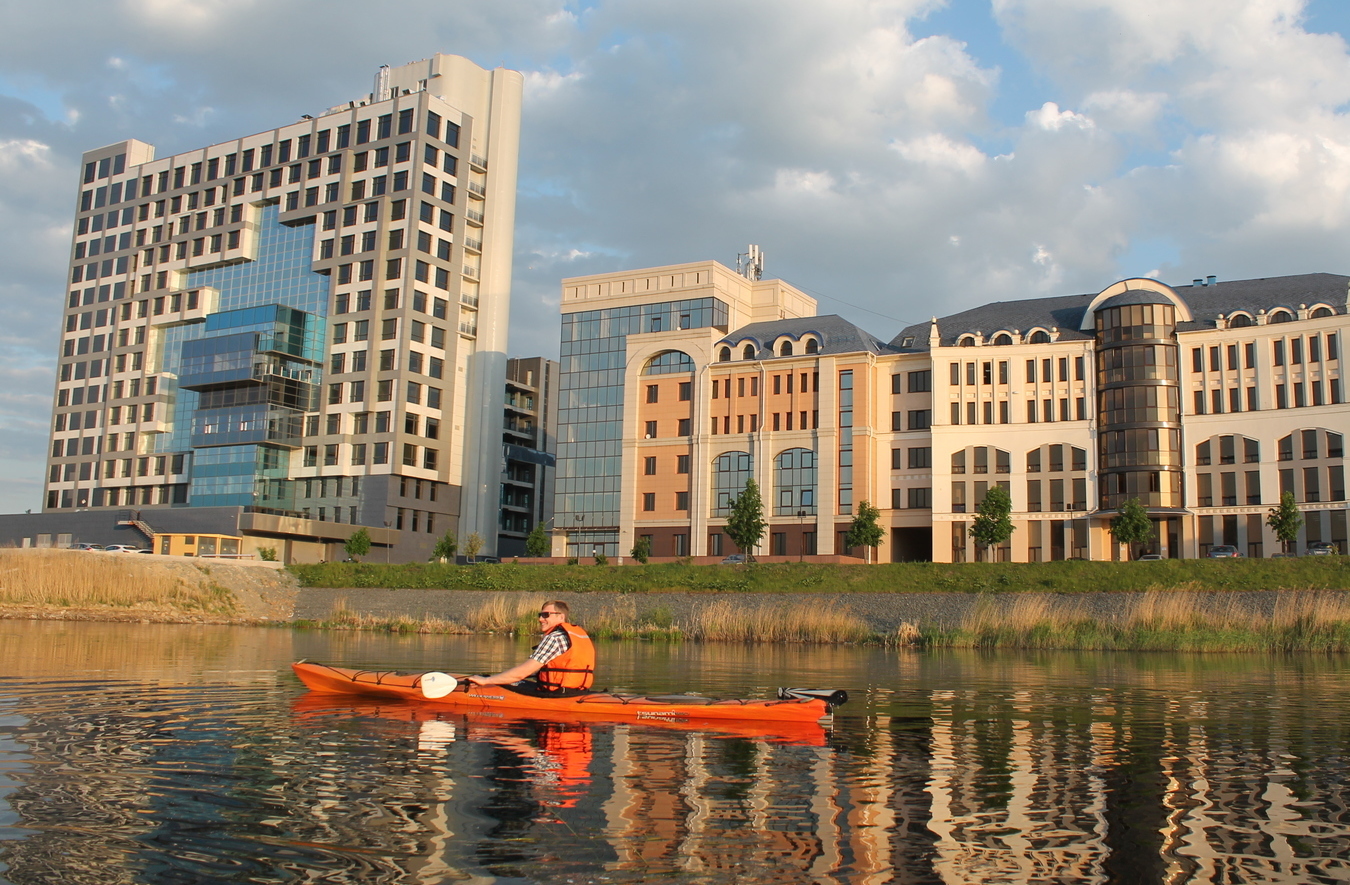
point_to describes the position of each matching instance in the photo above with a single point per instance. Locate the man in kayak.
(562, 664)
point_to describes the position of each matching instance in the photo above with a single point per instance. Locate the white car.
(122, 548)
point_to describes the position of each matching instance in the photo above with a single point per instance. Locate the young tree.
(537, 544)
(445, 548)
(1286, 520)
(1131, 525)
(993, 519)
(864, 531)
(642, 549)
(358, 545)
(472, 545)
(745, 523)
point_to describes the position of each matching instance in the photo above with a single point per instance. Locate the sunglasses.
(548, 614)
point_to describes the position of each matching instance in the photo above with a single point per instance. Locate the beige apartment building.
(1204, 402)
(303, 328)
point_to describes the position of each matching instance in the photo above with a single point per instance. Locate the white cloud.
(1050, 118)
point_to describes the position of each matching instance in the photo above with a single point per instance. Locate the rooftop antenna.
(382, 83)
(750, 264)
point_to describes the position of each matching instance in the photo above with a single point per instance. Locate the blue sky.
(896, 158)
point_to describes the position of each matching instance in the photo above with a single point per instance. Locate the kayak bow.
(791, 705)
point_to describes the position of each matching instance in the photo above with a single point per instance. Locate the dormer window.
(724, 355)
(748, 353)
(812, 345)
(785, 349)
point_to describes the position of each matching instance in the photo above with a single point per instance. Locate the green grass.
(1317, 573)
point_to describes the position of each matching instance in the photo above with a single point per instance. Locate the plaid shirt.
(554, 643)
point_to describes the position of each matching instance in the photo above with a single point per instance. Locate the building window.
(649, 465)
(648, 502)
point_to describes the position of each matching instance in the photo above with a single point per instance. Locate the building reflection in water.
(1056, 773)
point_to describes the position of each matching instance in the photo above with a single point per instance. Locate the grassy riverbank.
(42, 580)
(1301, 621)
(1303, 573)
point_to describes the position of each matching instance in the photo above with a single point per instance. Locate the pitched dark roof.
(1066, 311)
(1063, 312)
(836, 334)
(1266, 293)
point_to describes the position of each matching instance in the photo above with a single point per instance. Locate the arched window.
(966, 341)
(1040, 336)
(668, 362)
(730, 472)
(1239, 321)
(1281, 316)
(794, 482)
(785, 349)
(1322, 311)
(1002, 339)
(748, 353)
(724, 355)
(812, 345)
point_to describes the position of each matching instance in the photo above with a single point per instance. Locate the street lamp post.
(801, 530)
(580, 518)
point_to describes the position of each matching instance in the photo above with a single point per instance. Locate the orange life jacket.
(574, 668)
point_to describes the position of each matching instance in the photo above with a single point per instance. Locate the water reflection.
(176, 754)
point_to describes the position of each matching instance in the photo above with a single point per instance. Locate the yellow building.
(1203, 402)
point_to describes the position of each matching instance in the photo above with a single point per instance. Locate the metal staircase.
(133, 518)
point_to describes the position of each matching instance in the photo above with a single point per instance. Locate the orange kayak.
(791, 705)
(314, 705)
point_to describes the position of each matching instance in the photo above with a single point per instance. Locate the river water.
(175, 754)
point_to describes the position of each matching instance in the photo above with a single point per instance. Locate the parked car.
(735, 559)
(83, 546)
(122, 548)
(1224, 551)
(1321, 548)
(1149, 557)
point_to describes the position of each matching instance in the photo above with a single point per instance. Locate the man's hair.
(557, 604)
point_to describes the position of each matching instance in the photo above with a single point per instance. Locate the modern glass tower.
(308, 322)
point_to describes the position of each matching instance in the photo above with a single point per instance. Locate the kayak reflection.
(441, 726)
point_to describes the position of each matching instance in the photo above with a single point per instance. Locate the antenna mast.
(750, 263)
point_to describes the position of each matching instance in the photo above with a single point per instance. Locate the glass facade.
(1138, 405)
(590, 408)
(794, 482)
(243, 378)
(730, 472)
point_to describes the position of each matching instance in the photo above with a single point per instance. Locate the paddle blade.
(437, 685)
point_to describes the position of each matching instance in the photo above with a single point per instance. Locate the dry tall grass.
(728, 622)
(80, 579)
(344, 618)
(1162, 619)
(506, 613)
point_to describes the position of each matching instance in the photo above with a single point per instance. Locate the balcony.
(473, 245)
(477, 189)
(470, 329)
(479, 162)
(471, 271)
(474, 217)
(466, 298)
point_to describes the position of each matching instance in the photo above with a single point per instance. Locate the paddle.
(437, 685)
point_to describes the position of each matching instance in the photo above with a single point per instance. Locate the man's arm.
(523, 670)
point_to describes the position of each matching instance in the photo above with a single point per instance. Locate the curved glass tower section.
(1138, 401)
